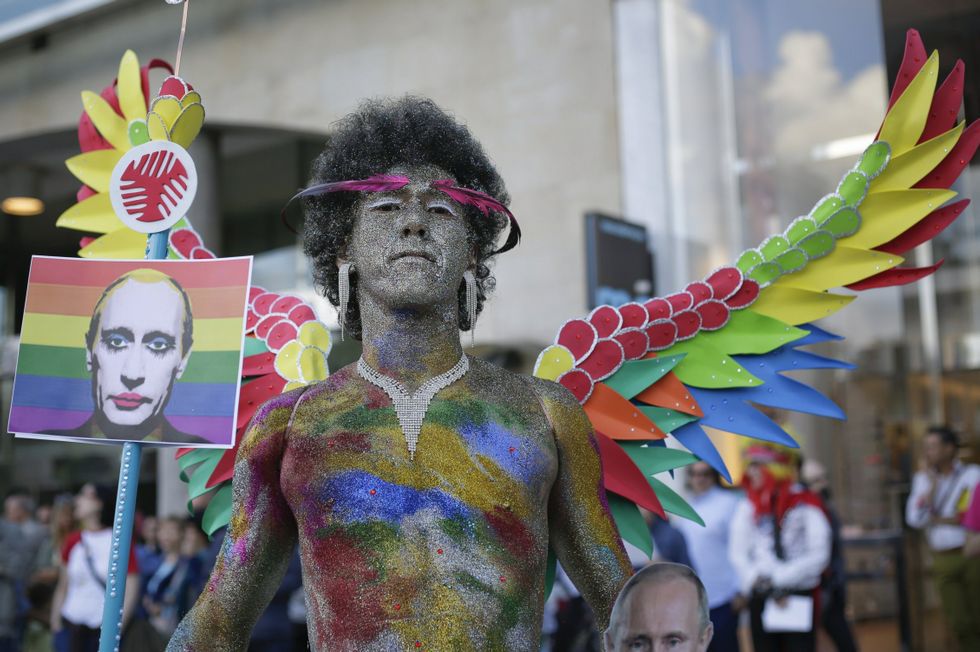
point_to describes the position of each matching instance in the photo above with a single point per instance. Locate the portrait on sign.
(137, 350)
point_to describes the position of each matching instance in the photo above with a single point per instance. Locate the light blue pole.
(122, 523)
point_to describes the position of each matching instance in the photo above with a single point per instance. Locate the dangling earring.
(343, 289)
(471, 302)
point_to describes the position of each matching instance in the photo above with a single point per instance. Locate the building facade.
(712, 123)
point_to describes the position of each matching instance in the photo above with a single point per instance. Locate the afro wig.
(381, 135)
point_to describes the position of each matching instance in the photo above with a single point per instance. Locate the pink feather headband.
(390, 182)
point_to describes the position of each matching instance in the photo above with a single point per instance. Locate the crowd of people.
(776, 539)
(53, 561)
(773, 541)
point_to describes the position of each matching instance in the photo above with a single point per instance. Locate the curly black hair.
(379, 135)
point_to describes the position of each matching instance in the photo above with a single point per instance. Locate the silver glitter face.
(410, 246)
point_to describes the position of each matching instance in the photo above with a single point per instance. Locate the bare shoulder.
(557, 404)
(267, 431)
(339, 391)
(520, 384)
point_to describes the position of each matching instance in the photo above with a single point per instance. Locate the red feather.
(925, 229)
(945, 104)
(944, 174)
(915, 57)
(621, 476)
(896, 276)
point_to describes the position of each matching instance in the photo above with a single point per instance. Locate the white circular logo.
(153, 186)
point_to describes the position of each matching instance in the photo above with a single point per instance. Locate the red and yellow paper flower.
(113, 122)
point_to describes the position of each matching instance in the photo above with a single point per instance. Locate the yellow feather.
(904, 122)
(130, 88)
(94, 215)
(885, 215)
(909, 168)
(112, 127)
(844, 266)
(94, 168)
(119, 244)
(795, 306)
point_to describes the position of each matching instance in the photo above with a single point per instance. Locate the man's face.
(815, 476)
(13, 510)
(410, 246)
(701, 477)
(137, 354)
(87, 503)
(660, 616)
(937, 452)
(753, 475)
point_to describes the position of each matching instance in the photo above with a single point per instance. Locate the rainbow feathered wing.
(702, 356)
(644, 372)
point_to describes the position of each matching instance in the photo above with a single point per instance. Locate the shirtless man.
(440, 548)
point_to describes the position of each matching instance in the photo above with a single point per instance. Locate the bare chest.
(463, 521)
(471, 453)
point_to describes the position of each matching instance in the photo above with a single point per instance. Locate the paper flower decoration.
(112, 123)
(186, 243)
(304, 360)
(176, 114)
(285, 346)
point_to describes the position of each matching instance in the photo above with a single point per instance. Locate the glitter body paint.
(446, 551)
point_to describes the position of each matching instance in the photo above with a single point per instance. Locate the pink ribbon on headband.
(390, 182)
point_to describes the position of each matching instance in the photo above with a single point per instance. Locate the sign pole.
(124, 520)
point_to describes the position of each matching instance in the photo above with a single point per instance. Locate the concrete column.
(643, 143)
(205, 214)
(171, 491)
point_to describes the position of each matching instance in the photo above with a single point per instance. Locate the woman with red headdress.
(780, 545)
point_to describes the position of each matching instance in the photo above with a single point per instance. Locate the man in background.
(779, 544)
(940, 494)
(708, 546)
(813, 475)
(14, 556)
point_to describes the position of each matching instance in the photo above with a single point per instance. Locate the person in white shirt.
(708, 548)
(939, 497)
(779, 544)
(80, 594)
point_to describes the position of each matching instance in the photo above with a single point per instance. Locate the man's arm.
(740, 539)
(58, 600)
(581, 528)
(258, 545)
(131, 598)
(917, 509)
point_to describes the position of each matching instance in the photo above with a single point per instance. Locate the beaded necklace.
(411, 408)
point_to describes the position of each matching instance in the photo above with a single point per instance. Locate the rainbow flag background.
(53, 389)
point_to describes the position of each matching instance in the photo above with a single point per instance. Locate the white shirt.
(806, 539)
(949, 492)
(708, 545)
(86, 595)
